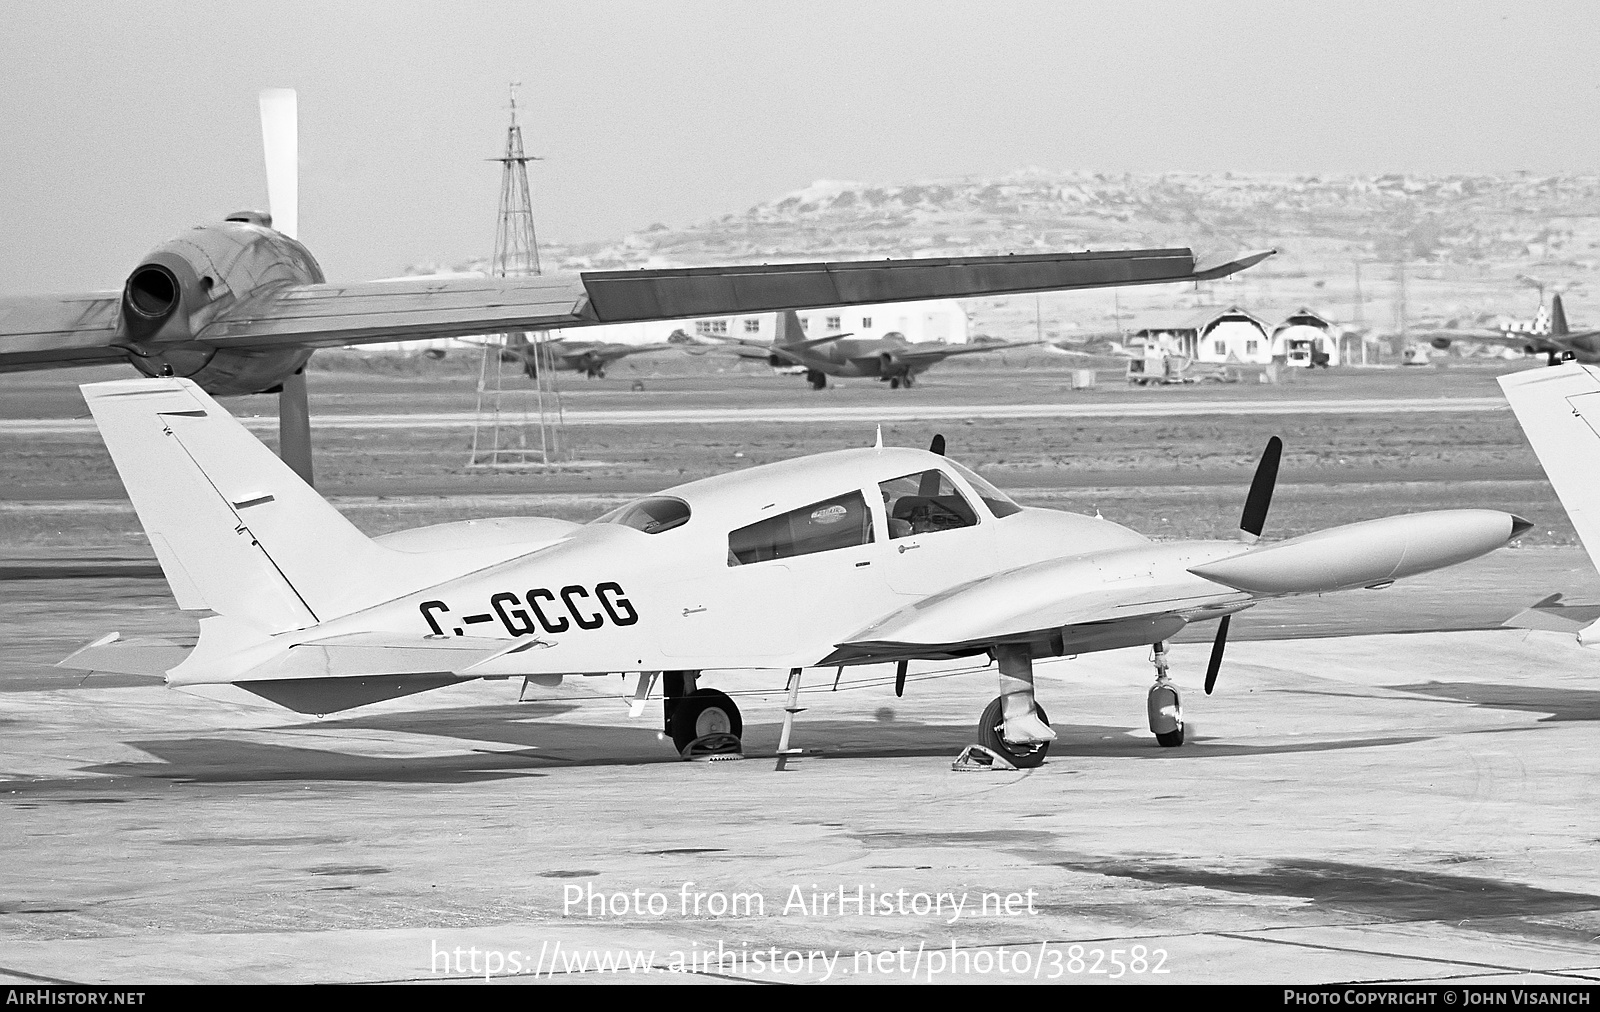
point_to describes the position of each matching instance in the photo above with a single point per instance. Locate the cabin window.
(998, 502)
(924, 502)
(653, 515)
(840, 522)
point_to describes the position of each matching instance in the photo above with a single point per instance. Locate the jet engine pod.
(1365, 554)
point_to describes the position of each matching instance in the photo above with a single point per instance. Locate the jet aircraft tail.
(236, 531)
(1559, 410)
(1558, 318)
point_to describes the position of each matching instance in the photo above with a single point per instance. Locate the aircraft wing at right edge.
(1559, 411)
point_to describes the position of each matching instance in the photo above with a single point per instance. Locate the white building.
(1209, 334)
(1233, 334)
(1304, 337)
(942, 320)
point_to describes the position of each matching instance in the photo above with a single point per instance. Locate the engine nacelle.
(1440, 342)
(186, 283)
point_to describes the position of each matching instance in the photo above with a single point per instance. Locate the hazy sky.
(122, 124)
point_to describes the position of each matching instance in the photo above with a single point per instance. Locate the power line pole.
(496, 439)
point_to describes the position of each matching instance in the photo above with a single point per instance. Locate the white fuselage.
(608, 597)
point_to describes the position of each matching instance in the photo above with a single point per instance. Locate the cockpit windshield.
(998, 502)
(652, 515)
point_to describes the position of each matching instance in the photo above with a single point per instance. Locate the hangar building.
(1233, 334)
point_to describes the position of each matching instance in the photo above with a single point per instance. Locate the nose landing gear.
(1166, 709)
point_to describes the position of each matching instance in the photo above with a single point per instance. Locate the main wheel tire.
(818, 379)
(703, 712)
(1172, 739)
(990, 736)
(894, 383)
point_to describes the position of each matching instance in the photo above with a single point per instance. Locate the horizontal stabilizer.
(143, 656)
(318, 696)
(353, 655)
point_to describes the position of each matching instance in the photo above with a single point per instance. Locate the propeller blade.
(1260, 497)
(1216, 654)
(937, 445)
(281, 145)
(900, 678)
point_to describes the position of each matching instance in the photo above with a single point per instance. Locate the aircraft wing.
(1540, 343)
(612, 352)
(47, 331)
(67, 330)
(919, 356)
(1029, 604)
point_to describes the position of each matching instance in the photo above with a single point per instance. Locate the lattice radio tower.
(500, 435)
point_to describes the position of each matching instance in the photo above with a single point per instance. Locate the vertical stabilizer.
(1559, 410)
(236, 531)
(787, 329)
(1558, 318)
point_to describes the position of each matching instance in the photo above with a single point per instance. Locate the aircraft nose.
(1518, 527)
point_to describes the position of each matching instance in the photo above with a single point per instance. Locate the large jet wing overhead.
(68, 330)
(629, 296)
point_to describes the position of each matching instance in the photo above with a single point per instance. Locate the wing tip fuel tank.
(1365, 554)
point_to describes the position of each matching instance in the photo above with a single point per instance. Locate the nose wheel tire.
(990, 736)
(704, 712)
(1172, 739)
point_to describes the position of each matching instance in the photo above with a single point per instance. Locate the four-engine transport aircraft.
(239, 305)
(1559, 344)
(893, 360)
(858, 556)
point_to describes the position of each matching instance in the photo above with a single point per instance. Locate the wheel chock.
(977, 759)
(718, 746)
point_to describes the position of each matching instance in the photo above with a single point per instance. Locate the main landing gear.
(817, 378)
(1014, 725)
(702, 723)
(896, 382)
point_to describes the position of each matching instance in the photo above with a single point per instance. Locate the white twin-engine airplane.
(857, 556)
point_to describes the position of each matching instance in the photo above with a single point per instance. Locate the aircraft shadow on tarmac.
(535, 745)
(1391, 893)
(1557, 703)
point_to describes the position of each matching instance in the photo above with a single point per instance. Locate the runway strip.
(874, 413)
